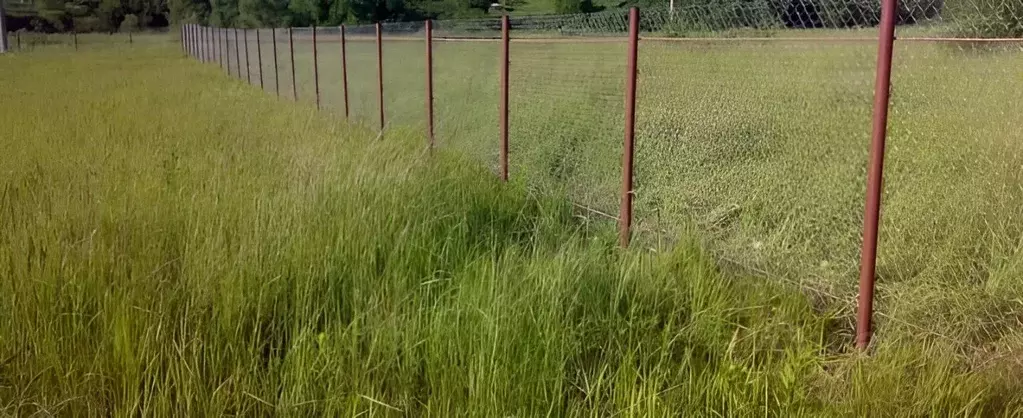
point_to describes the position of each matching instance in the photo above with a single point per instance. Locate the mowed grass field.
(759, 148)
(174, 242)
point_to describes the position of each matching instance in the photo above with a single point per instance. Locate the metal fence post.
(202, 44)
(291, 47)
(237, 55)
(429, 83)
(226, 34)
(218, 47)
(872, 210)
(316, 69)
(344, 70)
(248, 67)
(130, 40)
(277, 81)
(199, 53)
(259, 60)
(625, 217)
(380, 74)
(505, 47)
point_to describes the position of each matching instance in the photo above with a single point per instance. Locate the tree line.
(121, 15)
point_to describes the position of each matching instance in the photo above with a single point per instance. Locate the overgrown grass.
(176, 243)
(762, 146)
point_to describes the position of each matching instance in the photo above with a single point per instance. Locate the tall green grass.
(177, 243)
(757, 148)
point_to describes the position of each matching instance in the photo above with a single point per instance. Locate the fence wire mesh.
(466, 60)
(361, 48)
(953, 208)
(404, 70)
(753, 127)
(566, 113)
(760, 146)
(27, 41)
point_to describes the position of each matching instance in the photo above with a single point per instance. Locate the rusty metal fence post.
(218, 47)
(344, 70)
(259, 59)
(196, 43)
(505, 50)
(277, 80)
(205, 42)
(625, 217)
(227, 49)
(872, 209)
(291, 47)
(248, 67)
(237, 55)
(429, 83)
(380, 74)
(316, 70)
(202, 43)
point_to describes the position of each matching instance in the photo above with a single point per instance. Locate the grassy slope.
(175, 243)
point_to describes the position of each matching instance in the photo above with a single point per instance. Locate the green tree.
(223, 12)
(567, 6)
(260, 13)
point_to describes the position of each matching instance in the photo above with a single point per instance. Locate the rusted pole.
(259, 60)
(429, 83)
(291, 47)
(204, 38)
(505, 47)
(227, 49)
(625, 217)
(316, 69)
(380, 74)
(130, 40)
(220, 46)
(277, 79)
(872, 210)
(237, 55)
(227, 46)
(344, 70)
(248, 67)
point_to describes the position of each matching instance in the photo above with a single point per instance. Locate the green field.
(174, 242)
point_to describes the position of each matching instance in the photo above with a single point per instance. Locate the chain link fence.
(753, 124)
